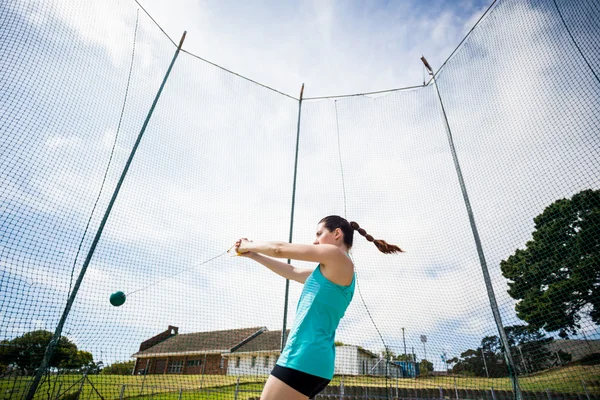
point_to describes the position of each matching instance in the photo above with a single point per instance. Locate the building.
(257, 356)
(249, 351)
(193, 353)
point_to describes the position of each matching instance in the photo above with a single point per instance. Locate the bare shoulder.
(340, 271)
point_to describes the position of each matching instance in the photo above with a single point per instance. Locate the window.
(266, 361)
(175, 367)
(237, 362)
(193, 363)
(253, 364)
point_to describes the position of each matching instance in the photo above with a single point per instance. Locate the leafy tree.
(26, 352)
(407, 357)
(425, 367)
(556, 278)
(388, 354)
(79, 359)
(529, 350)
(472, 363)
(119, 368)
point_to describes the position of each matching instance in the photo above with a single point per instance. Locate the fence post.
(144, 379)
(548, 393)
(493, 393)
(585, 388)
(342, 388)
(60, 387)
(397, 378)
(180, 393)
(455, 389)
(237, 388)
(122, 394)
(441, 393)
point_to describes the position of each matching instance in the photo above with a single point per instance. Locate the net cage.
(128, 167)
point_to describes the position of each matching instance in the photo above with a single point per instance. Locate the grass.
(560, 380)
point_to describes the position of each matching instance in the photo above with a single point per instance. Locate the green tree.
(407, 357)
(79, 359)
(425, 367)
(26, 352)
(556, 278)
(119, 368)
(529, 349)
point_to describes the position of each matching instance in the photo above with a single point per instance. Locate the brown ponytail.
(382, 245)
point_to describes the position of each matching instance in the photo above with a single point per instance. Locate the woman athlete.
(305, 366)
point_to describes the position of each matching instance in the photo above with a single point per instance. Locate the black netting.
(217, 161)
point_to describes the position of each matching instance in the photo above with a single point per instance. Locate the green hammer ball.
(117, 298)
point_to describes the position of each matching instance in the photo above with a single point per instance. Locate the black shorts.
(307, 384)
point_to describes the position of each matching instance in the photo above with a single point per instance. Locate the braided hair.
(333, 222)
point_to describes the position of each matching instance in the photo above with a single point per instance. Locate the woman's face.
(325, 236)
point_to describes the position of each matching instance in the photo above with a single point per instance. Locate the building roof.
(201, 342)
(266, 341)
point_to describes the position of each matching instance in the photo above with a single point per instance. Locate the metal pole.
(485, 363)
(486, 275)
(145, 373)
(397, 378)
(237, 388)
(57, 333)
(60, 387)
(404, 340)
(585, 388)
(287, 281)
(455, 389)
(122, 393)
(523, 359)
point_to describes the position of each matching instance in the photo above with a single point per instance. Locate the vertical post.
(57, 333)
(203, 369)
(342, 389)
(80, 391)
(122, 393)
(144, 379)
(287, 281)
(404, 341)
(493, 393)
(523, 359)
(397, 378)
(485, 363)
(237, 388)
(585, 389)
(180, 393)
(455, 388)
(441, 393)
(549, 394)
(486, 275)
(60, 387)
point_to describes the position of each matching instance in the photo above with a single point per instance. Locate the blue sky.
(215, 161)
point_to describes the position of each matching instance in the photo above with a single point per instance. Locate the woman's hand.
(240, 247)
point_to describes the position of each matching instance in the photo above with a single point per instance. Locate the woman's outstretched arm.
(323, 253)
(280, 268)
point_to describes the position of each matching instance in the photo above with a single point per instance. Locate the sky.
(216, 161)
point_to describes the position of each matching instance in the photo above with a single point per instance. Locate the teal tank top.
(310, 346)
